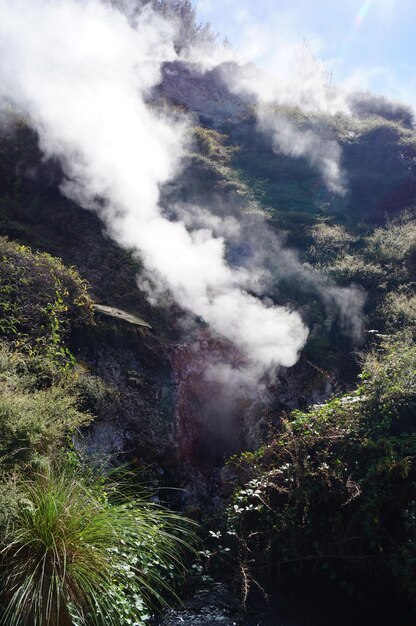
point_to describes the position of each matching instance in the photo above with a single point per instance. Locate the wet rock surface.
(136, 416)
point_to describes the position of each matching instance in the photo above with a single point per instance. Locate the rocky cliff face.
(204, 94)
(162, 406)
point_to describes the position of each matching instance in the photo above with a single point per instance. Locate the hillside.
(302, 475)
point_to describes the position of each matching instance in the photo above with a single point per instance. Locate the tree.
(190, 31)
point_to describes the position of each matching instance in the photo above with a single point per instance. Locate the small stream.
(220, 607)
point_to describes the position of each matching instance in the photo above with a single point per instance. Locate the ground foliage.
(40, 300)
(76, 550)
(334, 488)
(77, 545)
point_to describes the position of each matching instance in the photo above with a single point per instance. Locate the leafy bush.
(40, 299)
(333, 489)
(348, 268)
(74, 551)
(329, 240)
(399, 309)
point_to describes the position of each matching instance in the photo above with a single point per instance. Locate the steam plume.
(297, 80)
(82, 72)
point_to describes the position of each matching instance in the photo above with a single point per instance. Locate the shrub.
(40, 299)
(399, 310)
(349, 268)
(38, 408)
(76, 552)
(335, 488)
(189, 30)
(32, 425)
(329, 240)
(394, 242)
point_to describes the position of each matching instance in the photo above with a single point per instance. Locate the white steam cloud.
(82, 73)
(295, 80)
(321, 151)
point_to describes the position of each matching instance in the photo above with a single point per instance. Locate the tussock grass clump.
(74, 553)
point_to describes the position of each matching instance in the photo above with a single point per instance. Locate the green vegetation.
(76, 546)
(75, 551)
(38, 409)
(378, 158)
(381, 259)
(189, 30)
(40, 300)
(330, 492)
(333, 491)
(211, 161)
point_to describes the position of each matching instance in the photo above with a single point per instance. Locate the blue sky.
(371, 44)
